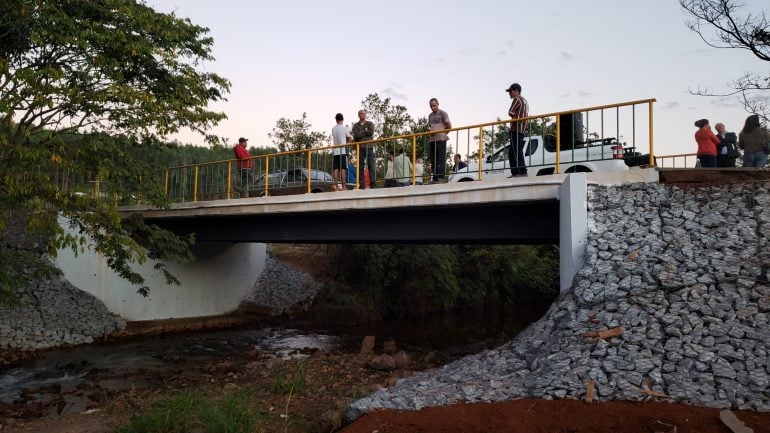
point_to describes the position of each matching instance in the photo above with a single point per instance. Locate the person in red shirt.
(245, 165)
(707, 144)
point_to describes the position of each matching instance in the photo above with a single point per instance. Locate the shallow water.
(65, 381)
(71, 366)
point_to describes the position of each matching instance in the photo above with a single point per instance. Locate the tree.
(296, 135)
(425, 280)
(82, 84)
(389, 119)
(723, 24)
(499, 136)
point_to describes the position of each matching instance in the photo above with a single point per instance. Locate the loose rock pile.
(282, 289)
(50, 312)
(680, 276)
(54, 313)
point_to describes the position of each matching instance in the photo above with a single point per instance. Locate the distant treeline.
(162, 155)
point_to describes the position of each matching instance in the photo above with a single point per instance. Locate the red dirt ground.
(556, 416)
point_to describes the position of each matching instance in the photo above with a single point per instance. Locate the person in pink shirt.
(707, 144)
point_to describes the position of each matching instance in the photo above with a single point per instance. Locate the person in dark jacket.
(727, 149)
(752, 140)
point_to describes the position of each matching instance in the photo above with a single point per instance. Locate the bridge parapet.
(571, 139)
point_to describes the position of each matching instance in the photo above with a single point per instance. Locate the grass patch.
(186, 412)
(358, 393)
(287, 384)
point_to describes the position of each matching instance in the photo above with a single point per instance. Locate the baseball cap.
(514, 86)
(241, 140)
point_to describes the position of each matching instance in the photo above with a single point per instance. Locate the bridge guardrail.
(573, 133)
(677, 160)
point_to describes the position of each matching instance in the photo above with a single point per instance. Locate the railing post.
(228, 188)
(481, 150)
(652, 150)
(414, 160)
(95, 187)
(267, 174)
(165, 182)
(195, 184)
(358, 161)
(558, 145)
(309, 173)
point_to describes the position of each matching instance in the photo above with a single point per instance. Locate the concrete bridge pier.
(221, 276)
(573, 227)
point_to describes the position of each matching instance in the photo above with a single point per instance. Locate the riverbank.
(294, 395)
(332, 380)
(671, 307)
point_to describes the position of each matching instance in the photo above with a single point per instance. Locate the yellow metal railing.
(588, 131)
(681, 160)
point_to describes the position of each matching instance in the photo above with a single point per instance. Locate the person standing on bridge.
(752, 140)
(459, 163)
(363, 130)
(402, 169)
(519, 109)
(340, 135)
(245, 165)
(419, 171)
(707, 144)
(438, 120)
(727, 151)
(390, 182)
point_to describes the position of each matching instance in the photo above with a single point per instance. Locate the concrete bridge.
(231, 234)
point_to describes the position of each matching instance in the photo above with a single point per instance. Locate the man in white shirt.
(402, 169)
(419, 171)
(340, 135)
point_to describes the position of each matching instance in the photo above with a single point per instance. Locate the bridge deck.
(520, 210)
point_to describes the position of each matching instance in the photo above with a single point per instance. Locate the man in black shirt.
(363, 130)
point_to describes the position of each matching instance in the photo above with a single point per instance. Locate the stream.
(70, 380)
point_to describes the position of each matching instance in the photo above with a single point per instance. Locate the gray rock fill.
(682, 271)
(281, 288)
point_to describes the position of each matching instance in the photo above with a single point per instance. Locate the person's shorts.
(340, 162)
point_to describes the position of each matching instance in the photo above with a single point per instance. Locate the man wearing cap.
(244, 164)
(437, 121)
(519, 109)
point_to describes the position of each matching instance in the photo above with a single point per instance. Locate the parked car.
(294, 181)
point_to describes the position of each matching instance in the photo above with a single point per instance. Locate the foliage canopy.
(296, 134)
(85, 84)
(422, 280)
(726, 24)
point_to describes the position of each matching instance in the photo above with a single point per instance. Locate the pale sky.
(286, 57)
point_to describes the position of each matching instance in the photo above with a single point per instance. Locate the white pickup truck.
(540, 155)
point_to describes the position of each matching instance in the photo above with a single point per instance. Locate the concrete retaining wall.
(216, 283)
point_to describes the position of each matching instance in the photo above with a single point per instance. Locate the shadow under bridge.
(544, 210)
